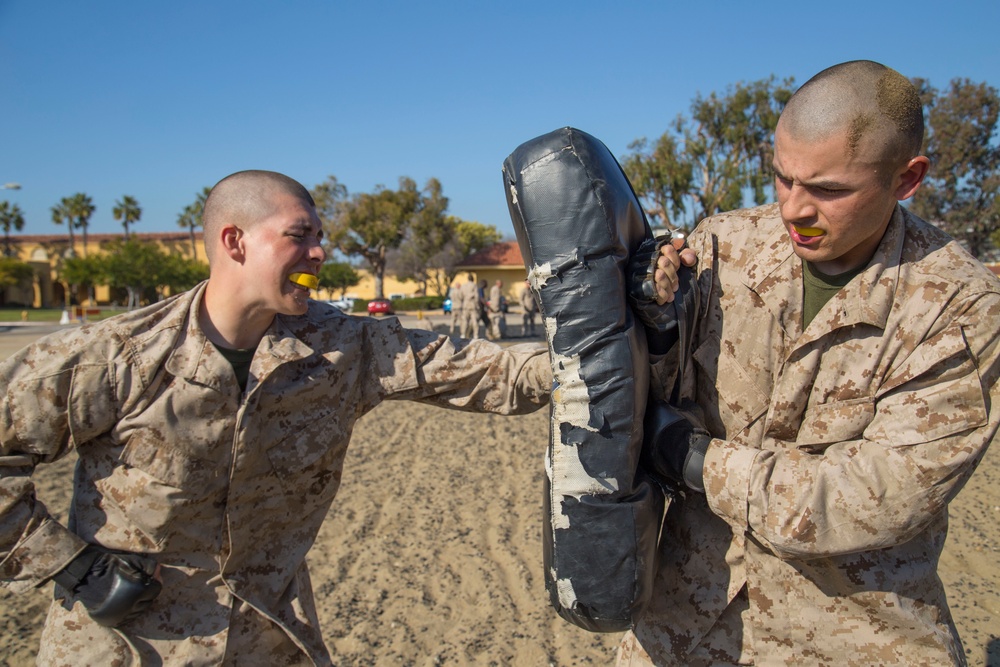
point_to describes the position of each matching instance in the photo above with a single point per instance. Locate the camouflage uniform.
(468, 300)
(498, 319)
(837, 452)
(530, 309)
(225, 490)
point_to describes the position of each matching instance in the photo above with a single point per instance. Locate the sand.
(431, 554)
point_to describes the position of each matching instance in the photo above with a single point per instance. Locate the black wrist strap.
(694, 460)
(74, 573)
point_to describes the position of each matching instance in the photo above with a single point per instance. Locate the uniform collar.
(776, 277)
(195, 358)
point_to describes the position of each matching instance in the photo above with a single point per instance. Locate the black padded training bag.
(577, 221)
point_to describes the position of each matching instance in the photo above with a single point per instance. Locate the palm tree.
(11, 216)
(61, 213)
(128, 211)
(81, 208)
(190, 217)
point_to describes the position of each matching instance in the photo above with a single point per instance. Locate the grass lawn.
(50, 314)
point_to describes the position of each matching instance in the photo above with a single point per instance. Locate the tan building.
(501, 261)
(45, 253)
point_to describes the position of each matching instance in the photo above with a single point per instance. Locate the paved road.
(15, 335)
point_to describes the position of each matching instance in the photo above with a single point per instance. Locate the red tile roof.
(505, 253)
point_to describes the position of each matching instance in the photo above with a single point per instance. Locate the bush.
(418, 303)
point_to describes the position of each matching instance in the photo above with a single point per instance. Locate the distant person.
(484, 308)
(841, 387)
(211, 430)
(497, 316)
(468, 299)
(529, 308)
(456, 310)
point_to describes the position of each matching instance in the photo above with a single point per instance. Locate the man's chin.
(295, 306)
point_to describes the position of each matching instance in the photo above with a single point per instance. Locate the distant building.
(499, 261)
(45, 253)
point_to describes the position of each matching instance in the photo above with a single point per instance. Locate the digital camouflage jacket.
(225, 490)
(837, 451)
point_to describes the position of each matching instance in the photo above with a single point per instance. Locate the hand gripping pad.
(577, 220)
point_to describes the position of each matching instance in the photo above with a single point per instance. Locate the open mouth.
(305, 280)
(806, 235)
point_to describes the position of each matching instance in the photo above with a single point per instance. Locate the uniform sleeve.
(475, 375)
(52, 398)
(902, 459)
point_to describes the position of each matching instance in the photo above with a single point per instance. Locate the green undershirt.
(818, 288)
(240, 361)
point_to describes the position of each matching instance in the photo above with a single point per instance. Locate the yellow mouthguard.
(810, 231)
(307, 280)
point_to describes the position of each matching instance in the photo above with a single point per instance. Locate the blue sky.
(159, 99)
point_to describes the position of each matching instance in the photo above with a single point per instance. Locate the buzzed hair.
(877, 106)
(244, 199)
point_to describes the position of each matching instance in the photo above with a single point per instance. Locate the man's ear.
(231, 242)
(911, 177)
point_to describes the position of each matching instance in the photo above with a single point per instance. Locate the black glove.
(672, 448)
(660, 320)
(112, 587)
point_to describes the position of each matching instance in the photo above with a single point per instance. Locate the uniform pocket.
(149, 489)
(311, 458)
(839, 421)
(936, 393)
(167, 463)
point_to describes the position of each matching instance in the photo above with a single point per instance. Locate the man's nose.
(317, 253)
(798, 205)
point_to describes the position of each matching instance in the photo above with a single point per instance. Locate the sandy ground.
(432, 552)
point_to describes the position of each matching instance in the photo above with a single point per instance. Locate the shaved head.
(877, 108)
(244, 199)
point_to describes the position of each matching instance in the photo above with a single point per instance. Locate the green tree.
(338, 276)
(191, 217)
(127, 211)
(467, 237)
(62, 213)
(14, 272)
(83, 271)
(81, 208)
(959, 194)
(662, 176)
(428, 234)
(178, 273)
(712, 158)
(11, 217)
(133, 265)
(369, 225)
(328, 196)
